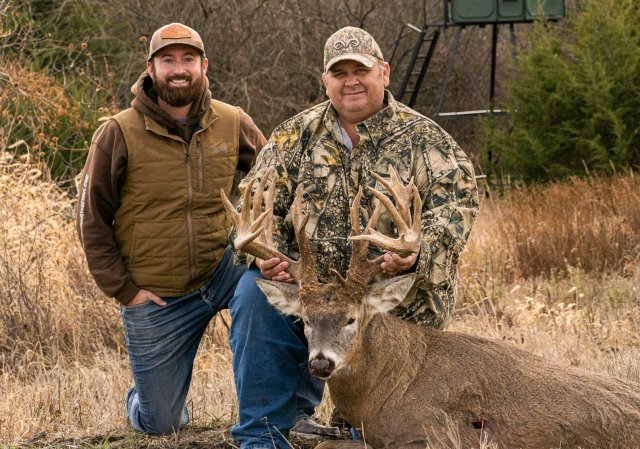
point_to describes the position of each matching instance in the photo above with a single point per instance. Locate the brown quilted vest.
(171, 226)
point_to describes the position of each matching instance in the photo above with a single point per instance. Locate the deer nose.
(320, 366)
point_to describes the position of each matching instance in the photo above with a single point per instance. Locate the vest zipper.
(190, 231)
(200, 168)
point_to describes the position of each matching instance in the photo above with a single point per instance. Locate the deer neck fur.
(372, 365)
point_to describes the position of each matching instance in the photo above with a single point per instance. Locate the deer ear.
(281, 295)
(385, 295)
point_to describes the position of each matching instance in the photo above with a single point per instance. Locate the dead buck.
(409, 386)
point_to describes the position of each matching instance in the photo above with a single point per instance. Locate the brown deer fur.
(406, 386)
(409, 386)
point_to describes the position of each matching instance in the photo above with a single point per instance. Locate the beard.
(179, 96)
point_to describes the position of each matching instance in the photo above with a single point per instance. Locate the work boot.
(338, 420)
(307, 428)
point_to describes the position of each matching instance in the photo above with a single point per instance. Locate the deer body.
(409, 386)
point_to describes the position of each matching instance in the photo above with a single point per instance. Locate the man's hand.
(394, 264)
(145, 296)
(273, 269)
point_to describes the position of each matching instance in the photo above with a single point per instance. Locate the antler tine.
(417, 210)
(267, 234)
(409, 226)
(375, 215)
(308, 274)
(361, 269)
(268, 205)
(250, 233)
(258, 194)
(402, 224)
(401, 193)
(244, 217)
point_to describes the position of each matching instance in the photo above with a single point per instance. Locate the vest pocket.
(212, 237)
(159, 258)
(216, 166)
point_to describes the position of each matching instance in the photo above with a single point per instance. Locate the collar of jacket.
(374, 126)
(210, 116)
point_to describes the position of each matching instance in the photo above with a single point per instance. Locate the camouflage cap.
(175, 33)
(351, 43)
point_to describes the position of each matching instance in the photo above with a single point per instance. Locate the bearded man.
(154, 232)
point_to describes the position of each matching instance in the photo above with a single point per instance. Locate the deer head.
(335, 316)
(334, 313)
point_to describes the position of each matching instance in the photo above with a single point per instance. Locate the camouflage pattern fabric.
(351, 43)
(308, 149)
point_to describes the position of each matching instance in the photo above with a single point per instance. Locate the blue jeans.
(269, 358)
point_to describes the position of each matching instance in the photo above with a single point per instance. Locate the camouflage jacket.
(309, 149)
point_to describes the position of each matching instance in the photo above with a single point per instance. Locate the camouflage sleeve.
(445, 178)
(279, 153)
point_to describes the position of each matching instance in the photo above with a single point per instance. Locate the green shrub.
(574, 99)
(55, 82)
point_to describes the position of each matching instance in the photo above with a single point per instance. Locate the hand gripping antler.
(254, 228)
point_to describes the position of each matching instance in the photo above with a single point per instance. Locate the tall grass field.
(554, 270)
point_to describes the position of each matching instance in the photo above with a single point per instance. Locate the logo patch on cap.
(175, 31)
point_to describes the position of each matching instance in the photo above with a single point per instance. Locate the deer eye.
(351, 321)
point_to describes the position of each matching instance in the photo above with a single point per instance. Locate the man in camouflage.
(331, 150)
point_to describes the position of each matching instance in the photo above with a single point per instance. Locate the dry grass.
(51, 312)
(590, 224)
(554, 270)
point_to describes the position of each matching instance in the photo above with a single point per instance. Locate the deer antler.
(254, 229)
(409, 225)
(361, 269)
(308, 274)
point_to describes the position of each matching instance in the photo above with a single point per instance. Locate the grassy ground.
(553, 270)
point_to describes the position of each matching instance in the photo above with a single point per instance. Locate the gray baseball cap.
(175, 33)
(353, 44)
